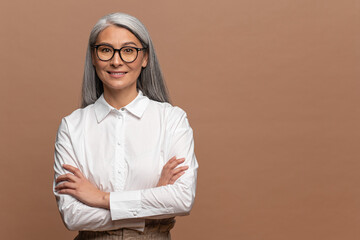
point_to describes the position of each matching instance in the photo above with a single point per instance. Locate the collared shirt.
(123, 152)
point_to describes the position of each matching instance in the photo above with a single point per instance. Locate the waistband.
(151, 226)
(160, 225)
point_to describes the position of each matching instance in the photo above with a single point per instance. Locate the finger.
(175, 162)
(176, 177)
(180, 160)
(66, 177)
(71, 192)
(169, 164)
(171, 160)
(179, 169)
(74, 170)
(65, 185)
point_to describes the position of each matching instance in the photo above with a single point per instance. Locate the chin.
(119, 86)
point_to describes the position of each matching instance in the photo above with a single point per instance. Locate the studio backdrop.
(271, 89)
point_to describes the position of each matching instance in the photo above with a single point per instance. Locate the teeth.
(117, 73)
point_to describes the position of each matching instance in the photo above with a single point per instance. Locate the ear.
(145, 60)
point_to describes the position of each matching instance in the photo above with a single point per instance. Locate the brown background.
(271, 88)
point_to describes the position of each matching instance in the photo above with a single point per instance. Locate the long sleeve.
(75, 214)
(165, 201)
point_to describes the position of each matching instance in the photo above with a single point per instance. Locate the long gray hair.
(150, 81)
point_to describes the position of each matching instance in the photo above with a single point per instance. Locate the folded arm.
(169, 200)
(75, 214)
(172, 196)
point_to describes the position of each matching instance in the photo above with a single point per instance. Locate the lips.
(116, 73)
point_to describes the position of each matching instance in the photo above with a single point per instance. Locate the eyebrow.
(124, 44)
(128, 43)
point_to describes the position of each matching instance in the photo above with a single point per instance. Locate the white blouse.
(123, 152)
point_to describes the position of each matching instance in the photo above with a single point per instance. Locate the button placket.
(118, 152)
(120, 171)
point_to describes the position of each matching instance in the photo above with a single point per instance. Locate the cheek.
(94, 59)
(99, 66)
(136, 67)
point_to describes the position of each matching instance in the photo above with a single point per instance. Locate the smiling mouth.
(116, 74)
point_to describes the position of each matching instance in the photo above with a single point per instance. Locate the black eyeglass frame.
(118, 50)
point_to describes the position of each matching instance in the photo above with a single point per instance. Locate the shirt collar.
(136, 107)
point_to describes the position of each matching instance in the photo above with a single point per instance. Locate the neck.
(119, 98)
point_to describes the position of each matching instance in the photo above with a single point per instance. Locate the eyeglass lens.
(127, 54)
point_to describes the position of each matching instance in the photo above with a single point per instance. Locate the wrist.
(105, 200)
(160, 183)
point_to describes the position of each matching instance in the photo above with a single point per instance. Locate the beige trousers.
(154, 229)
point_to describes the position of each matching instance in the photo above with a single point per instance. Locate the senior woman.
(124, 162)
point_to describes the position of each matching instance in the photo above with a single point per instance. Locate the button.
(119, 143)
(122, 109)
(119, 117)
(135, 213)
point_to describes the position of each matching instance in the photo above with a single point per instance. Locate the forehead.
(117, 36)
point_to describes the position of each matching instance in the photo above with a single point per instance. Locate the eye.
(128, 50)
(105, 49)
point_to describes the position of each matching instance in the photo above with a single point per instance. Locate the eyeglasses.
(127, 54)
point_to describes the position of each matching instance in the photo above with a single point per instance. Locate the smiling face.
(115, 74)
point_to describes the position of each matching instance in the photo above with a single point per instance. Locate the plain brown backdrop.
(271, 88)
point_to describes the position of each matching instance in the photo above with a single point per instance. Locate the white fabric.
(123, 152)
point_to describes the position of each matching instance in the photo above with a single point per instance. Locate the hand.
(76, 185)
(170, 173)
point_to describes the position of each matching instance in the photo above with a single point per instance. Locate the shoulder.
(75, 119)
(173, 115)
(80, 113)
(167, 109)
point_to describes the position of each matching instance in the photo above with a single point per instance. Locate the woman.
(125, 162)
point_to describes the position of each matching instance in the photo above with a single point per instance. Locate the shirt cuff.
(125, 205)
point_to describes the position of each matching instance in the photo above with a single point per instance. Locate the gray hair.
(150, 81)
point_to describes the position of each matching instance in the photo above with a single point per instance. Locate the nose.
(116, 60)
